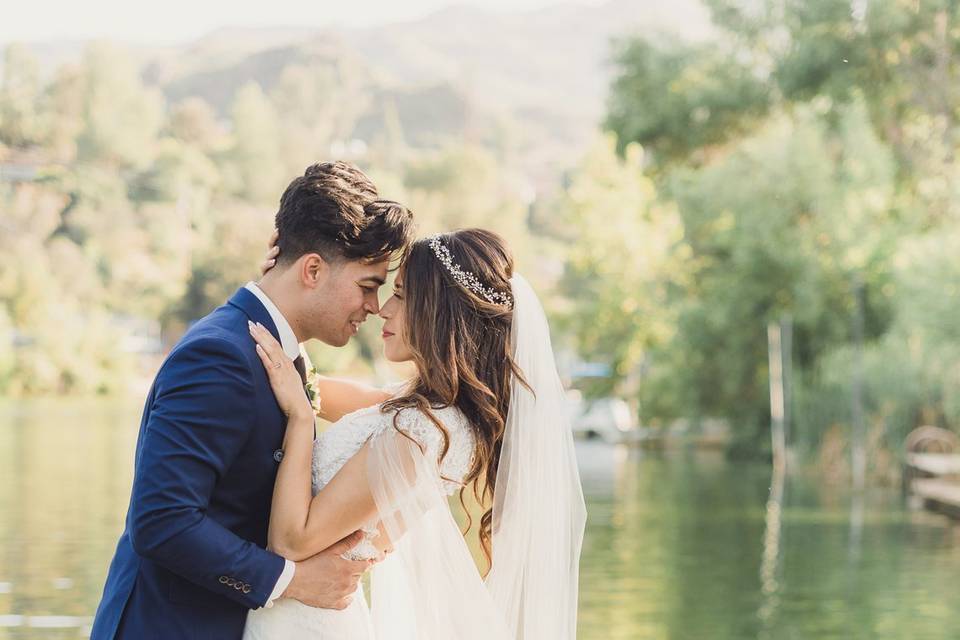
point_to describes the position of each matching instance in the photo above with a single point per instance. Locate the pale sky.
(173, 21)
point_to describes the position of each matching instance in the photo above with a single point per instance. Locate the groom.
(191, 560)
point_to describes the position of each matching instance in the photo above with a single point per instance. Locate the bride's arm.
(302, 525)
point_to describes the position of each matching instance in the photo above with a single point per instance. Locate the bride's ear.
(314, 270)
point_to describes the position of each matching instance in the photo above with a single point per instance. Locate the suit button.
(246, 588)
(278, 455)
(223, 579)
(231, 582)
(238, 586)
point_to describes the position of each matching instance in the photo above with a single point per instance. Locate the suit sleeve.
(202, 413)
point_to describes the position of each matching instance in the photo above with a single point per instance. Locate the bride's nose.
(386, 309)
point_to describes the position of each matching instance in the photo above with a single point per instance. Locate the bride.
(485, 414)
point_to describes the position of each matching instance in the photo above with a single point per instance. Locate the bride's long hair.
(462, 350)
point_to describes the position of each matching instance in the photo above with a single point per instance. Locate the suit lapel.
(254, 310)
(251, 306)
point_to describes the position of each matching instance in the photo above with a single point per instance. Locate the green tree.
(623, 258)
(464, 186)
(899, 57)
(121, 116)
(194, 122)
(63, 111)
(255, 167)
(20, 90)
(785, 225)
(680, 100)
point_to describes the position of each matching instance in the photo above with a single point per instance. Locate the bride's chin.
(392, 357)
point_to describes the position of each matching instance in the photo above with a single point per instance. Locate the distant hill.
(543, 73)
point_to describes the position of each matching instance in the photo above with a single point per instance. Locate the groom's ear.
(314, 270)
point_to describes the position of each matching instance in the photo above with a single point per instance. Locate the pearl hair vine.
(466, 278)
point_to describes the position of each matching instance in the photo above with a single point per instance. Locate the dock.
(931, 470)
(934, 465)
(942, 496)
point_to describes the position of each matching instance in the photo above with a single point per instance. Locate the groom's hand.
(326, 580)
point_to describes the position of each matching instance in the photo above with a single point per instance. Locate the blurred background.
(741, 215)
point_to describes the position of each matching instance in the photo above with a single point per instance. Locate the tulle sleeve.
(428, 587)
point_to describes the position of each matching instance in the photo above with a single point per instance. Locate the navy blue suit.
(191, 560)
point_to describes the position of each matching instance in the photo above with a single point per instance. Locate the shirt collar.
(288, 340)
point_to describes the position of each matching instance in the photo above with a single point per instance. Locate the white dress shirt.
(292, 348)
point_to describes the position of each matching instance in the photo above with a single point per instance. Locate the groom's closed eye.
(371, 284)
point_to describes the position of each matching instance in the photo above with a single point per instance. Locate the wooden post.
(779, 336)
(777, 400)
(858, 456)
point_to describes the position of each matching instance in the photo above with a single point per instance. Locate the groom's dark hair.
(333, 210)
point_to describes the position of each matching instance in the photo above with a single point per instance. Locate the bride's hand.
(271, 258)
(286, 383)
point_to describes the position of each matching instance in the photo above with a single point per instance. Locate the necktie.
(301, 368)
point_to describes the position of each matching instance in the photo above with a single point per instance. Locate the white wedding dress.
(428, 587)
(341, 441)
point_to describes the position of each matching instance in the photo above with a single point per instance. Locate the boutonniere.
(311, 387)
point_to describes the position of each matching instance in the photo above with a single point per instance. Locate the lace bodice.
(344, 438)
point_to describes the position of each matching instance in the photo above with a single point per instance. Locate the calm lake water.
(678, 546)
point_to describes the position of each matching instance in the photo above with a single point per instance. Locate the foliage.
(125, 219)
(809, 152)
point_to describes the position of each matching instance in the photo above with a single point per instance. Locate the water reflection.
(675, 544)
(770, 563)
(65, 473)
(687, 545)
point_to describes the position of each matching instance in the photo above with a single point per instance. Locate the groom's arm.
(339, 396)
(203, 412)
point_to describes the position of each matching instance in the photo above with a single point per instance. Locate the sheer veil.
(429, 586)
(538, 507)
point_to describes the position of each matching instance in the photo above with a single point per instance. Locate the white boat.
(609, 418)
